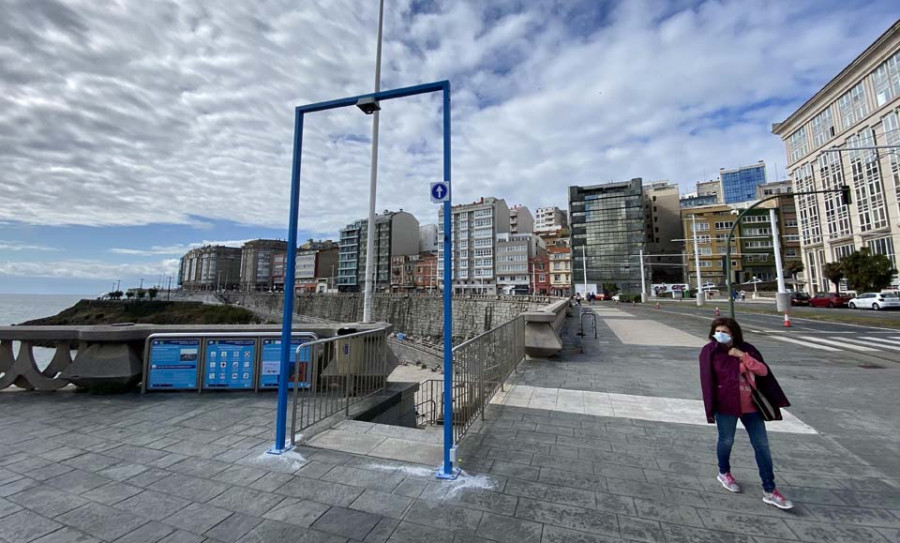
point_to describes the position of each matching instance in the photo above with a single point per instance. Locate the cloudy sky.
(131, 131)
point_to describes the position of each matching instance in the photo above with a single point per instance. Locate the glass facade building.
(607, 228)
(739, 185)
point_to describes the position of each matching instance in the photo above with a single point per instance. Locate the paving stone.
(439, 515)
(91, 462)
(408, 532)
(149, 477)
(411, 488)
(459, 493)
(508, 529)
(247, 500)
(514, 470)
(820, 532)
(17, 486)
(77, 481)
(270, 482)
(347, 523)
(299, 512)
(139, 455)
(586, 481)
(112, 493)
(270, 531)
(321, 491)
(233, 528)
(67, 535)
(382, 504)
(101, 521)
(61, 453)
(240, 475)
(7, 507)
(853, 497)
(555, 534)
(563, 464)
(197, 518)
(855, 515)
(122, 471)
(551, 493)
(199, 467)
(47, 501)
(153, 505)
(635, 489)
(180, 536)
(189, 488)
(48, 472)
(636, 529)
(567, 516)
(376, 480)
(151, 532)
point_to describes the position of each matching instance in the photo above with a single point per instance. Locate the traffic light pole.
(845, 196)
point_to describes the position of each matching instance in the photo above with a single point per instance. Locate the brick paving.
(188, 468)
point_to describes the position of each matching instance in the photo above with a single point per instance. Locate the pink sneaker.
(728, 482)
(775, 498)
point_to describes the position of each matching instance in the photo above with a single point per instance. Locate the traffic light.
(845, 195)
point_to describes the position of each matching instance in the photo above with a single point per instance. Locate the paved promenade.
(583, 449)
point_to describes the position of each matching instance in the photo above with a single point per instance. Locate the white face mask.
(722, 337)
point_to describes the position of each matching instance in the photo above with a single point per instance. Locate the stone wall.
(418, 316)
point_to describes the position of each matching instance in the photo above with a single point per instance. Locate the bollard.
(718, 313)
(787, 321)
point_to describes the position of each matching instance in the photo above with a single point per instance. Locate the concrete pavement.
(579, 449)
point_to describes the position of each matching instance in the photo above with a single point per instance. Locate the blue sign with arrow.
(440, 192)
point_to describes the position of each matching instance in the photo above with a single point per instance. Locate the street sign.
(440, 191)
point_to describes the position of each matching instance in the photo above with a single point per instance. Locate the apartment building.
(316, 260)
(607, 235)
(513, 257)
(474, 231)
(663, 229)
(396, 234)
(425, 272)
(212, 267)
(773, 188)
(257, 261)
(540, 273)
(829, 142)
(711, 225)
(711, 188)
(428, 238)
(549, 219)
(520, 220)
(560, 269)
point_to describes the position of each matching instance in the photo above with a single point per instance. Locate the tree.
(141, 293)
(834, 273)
(610, 288)
(129, 294)
(867, 272)
(794, 267)
(152, 293)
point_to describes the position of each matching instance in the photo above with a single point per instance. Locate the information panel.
(271, 363)
(173, 364)
(229, 363)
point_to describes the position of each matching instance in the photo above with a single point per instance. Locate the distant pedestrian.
(743, 296)
(730, 369)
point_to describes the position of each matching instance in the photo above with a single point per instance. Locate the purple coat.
(720, 381)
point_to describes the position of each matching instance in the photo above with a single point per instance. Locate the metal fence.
(332, 374)
(480, 367)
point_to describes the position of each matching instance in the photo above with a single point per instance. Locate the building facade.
(520, 220)
(549, 219)
(540, 274)
(739, 184)
(426, 272)
(560, 269)
(396, 234)
(697, 201)
(474, 230)
(663, 229)
(775, 187)
(257, 261)
(710, 188)
(607, 235)
(711, 225)
(513, 257)
(212, 267)
(858, 108)
(428, 238)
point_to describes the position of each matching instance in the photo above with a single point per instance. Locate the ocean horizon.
(18, 308)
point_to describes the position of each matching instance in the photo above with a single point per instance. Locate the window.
(700, 226)
(887, 80)
(755, 218)
(853, 106)
(703, 239)
(842, 251)
(807, 209)
(705, 264)
(837, 215)
(864, 166)
(822, 128)
(704, 250)
(760, 244)
(724, 225)
(882, 246)
(799, 146)
(892, 137)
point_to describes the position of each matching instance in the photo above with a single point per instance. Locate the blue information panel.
(271, 363)
(229, 363)
(173, 364)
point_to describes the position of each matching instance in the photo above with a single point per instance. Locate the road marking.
(845, 345)
(881, 342)
(805, 343)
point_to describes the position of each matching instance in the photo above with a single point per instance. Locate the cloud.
(10, 245)
(179, 249)
(88, 269)
(147, 112)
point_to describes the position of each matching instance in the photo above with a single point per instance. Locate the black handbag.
(762, 404)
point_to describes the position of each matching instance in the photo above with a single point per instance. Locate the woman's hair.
(737, 336)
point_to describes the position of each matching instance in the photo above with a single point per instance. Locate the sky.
(133, 131)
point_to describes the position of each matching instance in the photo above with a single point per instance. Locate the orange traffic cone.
(718, 313)
(787, 321)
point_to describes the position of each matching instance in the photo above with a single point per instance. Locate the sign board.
(229, 364)
(271, 362)
(173, 364)
(669, 290)
(591, 287)
(440, 192)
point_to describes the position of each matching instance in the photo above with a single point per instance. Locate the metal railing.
(480, 367)
(332, 374)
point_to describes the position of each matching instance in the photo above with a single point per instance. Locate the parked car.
(799, 298)
(829, 299)
(874, 300)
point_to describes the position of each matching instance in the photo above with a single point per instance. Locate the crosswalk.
(884, 346)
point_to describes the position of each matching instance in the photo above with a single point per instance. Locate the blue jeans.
(756, 429)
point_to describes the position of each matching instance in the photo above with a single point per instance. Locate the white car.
(874, 300)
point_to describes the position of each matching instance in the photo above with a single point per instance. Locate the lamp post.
(701, 296)
(373, 178)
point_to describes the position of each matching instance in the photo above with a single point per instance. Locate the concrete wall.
(419, 316)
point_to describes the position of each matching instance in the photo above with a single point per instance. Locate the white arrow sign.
(440, 191)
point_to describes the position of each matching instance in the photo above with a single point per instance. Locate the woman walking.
(730, 369)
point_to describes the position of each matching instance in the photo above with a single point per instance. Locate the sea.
(18, 308)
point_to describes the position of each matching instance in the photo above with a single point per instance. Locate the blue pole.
(288, 313)
(448, 471)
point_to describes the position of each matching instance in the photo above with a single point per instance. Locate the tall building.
(774, 187)
(607, 232)
(693, 200)
(474, 230)
(316, 260)
(514, 253)
(560, 266)
(428, 238)
(396, 233)
(860, 107)
(257, 261)
(520, 220)
(212, 267)
(426, 272)
(540, 273)
(710, 188)
(739, 184)
(549, 219)
(711, 225)
(663, 229)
